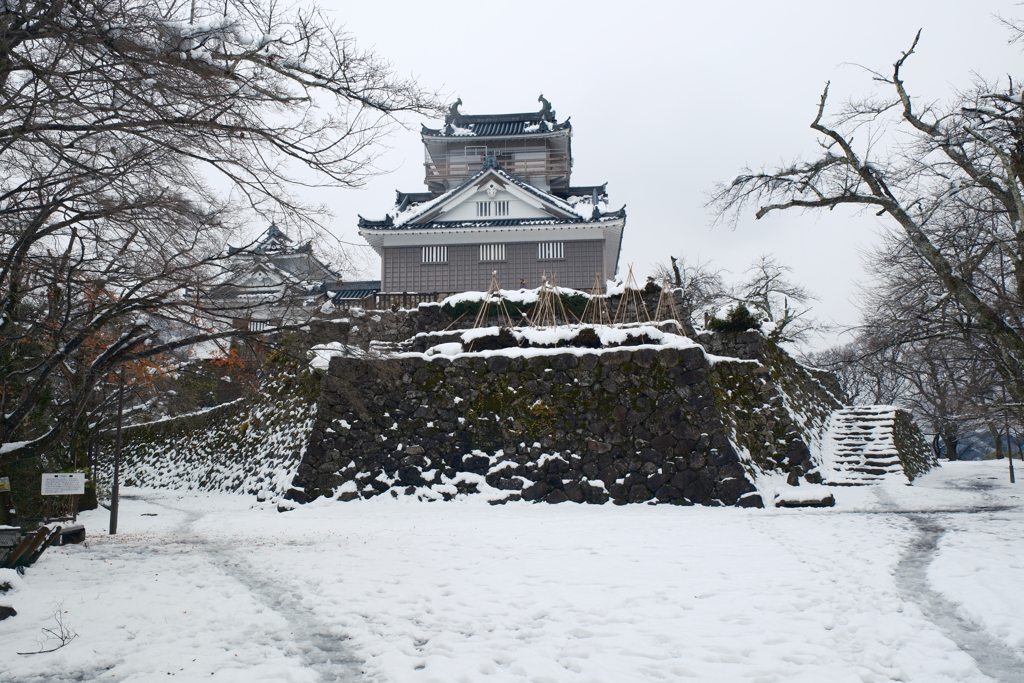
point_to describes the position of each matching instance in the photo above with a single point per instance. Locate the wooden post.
(115, 490)
(1009, 459)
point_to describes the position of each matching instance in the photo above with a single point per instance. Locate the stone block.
(634, 478)
(669, 358)
(573, 491)
(691, 377)
(556, 496)
(752, 500)
(645, 357)
(537, 491)
(730, 490)
(700, 490)
(656, 480)
(498, 364)
(693, 358)
(681, 480)
(410, 476)
(638, 494)
(615, 357)
(663, 443)
(651, 455)
(564, 362)
(667, 493)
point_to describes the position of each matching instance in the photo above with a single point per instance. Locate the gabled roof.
(424, 214)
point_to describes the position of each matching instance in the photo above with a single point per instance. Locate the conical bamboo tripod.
(549, 308)
(667, 302)
(596, 312)
(631, 305)
(493, 295)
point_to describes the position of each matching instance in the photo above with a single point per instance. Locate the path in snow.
(322, 650)
(215, 587)
(993, 658)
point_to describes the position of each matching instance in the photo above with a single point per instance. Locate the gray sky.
(668, 97)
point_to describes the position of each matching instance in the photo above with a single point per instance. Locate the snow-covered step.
(859, 449)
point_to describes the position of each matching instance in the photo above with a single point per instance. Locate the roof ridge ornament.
(453, 113)
(546, 112)
(491, 161)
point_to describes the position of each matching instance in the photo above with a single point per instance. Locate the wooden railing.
(453, 167)
(385, 300)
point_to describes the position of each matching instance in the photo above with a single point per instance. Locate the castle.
(499, 200)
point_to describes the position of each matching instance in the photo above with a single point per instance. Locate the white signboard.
(64, 484)
(5, 485)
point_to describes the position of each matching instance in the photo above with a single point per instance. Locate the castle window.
(435, 254)
(492, 252)
(550, 250)
(488, 209)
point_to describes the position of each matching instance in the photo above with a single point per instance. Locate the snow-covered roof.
(271, 264)
(458, 124)
(415, 210)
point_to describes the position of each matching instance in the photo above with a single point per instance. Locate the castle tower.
(498, 199)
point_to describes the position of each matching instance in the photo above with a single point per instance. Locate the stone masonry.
(630, 425)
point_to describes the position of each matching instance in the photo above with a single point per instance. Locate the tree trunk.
(997, 439)
(950, 440)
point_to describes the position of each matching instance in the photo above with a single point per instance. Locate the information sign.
(64, 484)
(5, 484)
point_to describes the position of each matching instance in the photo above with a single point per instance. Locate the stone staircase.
(858, 447)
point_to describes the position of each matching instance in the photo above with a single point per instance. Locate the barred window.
(488, 209)
(435, 254)
(550, 250)
(492, 252)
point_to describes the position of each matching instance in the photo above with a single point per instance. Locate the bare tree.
(117, 118)
(965, 155)
(782, 305)
(700, 287)
(866, 376)
(916, 347)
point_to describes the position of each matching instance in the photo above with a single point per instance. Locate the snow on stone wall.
(868, 444)
(667, 423)
(775, 409)
(250, 447)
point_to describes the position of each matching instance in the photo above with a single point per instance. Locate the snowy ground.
(917, 583)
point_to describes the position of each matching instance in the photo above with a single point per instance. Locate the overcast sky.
(668, 97)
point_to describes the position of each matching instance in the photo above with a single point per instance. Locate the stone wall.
(250, 446)
(645, 423)
(631, 425)
(914, 453)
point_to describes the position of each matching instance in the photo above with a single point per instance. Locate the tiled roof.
(494, 223)
(355, 293)
(355, 289)
(588, 190)
(497, 125)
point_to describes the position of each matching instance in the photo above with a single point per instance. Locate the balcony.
(547, 163)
